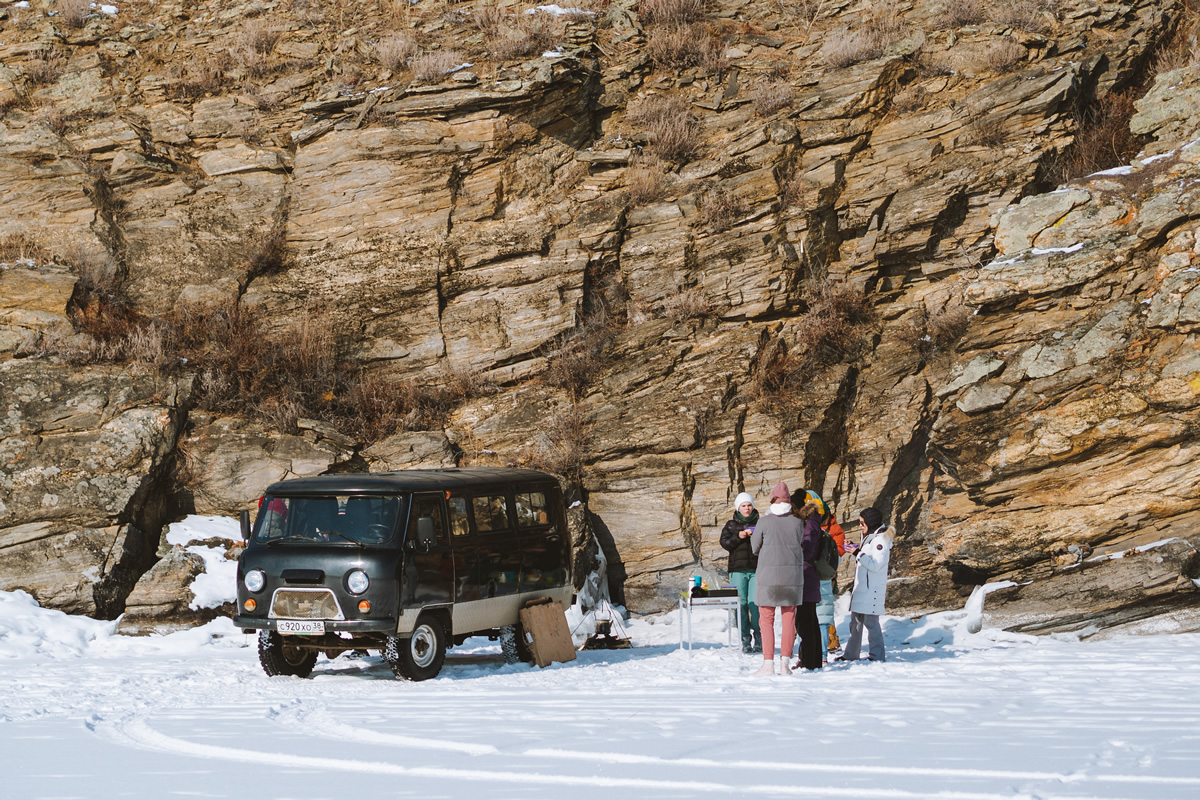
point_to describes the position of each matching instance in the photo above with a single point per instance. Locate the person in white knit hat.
(735, 538)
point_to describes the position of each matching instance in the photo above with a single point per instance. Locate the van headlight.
(255, 580)
(357, 582)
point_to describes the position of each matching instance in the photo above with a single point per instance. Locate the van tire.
(419, 656)
(513, 644)
(278, 657)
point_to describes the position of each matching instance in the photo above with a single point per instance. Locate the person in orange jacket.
(829, 640)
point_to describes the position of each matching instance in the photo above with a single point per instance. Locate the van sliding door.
(496, 538)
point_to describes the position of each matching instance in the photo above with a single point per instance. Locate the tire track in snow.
(135, 731)
(932, 772)
(318, 721)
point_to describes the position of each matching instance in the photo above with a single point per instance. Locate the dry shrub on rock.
(579, 356)
(1036, 16)
(396, 52)
(959, 13)
(514, 36)
(561, 446)
(686, 45)
(18, 248)
(836, 328)
(1102, 139)
(939, 332)
(253, 45)
(1002, 55)
(721, 208)
(199, 77)
(75, 13)
(881, 30)
(687, 304)
(645, 181)
(772, 97)
(45, 67)
(433, 67)
(671, 12)
(1182, 47)
(668, 123)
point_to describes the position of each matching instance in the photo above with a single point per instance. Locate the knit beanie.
(873, 518)
(781, 493)
(744, 497)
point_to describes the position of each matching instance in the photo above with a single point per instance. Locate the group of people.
(772, 562)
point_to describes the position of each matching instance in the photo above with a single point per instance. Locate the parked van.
(407, 563)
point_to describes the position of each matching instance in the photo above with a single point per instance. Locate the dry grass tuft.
(1035, 16)
(673, 132)
(686, 45)
(645, 181)
(45, 67)
(580, 356)
(687, 304)
(1182, 48)
(1102, 140)
(721, 209)
(986, 131)
(909, 99)
(671, 12)
(561, 446)
(881, 30)
(1003, 55)
(772, 97)
(937, 333)
(75, 13)
(201, 76)
(836, 328)
(253, 45)
(18, 248)
(960, 13)
(433, 67)
(515, 36)
(396, 52)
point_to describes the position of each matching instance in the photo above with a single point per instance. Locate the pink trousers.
(766, 627)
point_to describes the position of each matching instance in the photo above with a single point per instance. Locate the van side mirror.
(244, 519)
(426, 537)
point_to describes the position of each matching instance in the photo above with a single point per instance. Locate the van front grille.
(305, 604)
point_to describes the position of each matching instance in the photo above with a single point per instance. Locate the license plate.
(301, 627)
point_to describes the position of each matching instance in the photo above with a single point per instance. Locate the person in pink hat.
(777, 541)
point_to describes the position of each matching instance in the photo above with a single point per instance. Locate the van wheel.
(278, 656)
(420, 656)
(513, 644)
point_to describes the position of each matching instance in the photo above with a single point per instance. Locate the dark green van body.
(499, 539)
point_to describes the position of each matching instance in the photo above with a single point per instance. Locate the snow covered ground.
(86, 714)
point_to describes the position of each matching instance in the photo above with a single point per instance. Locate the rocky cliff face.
(675, 253)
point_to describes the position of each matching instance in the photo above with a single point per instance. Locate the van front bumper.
(384, 625)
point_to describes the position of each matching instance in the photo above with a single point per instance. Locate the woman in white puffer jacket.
(870, 586)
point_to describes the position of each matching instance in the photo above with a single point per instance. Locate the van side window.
(491, 513)
(459, 523)
(532, 510)
(427, 505)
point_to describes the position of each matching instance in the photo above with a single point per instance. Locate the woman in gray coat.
(777, 542)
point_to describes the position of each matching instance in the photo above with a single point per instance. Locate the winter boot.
(784, 667)
(767, 668)
(834, 642)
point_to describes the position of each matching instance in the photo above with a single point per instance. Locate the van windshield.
(348, 519)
